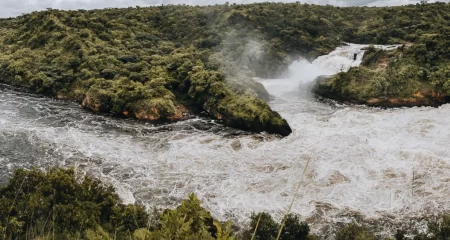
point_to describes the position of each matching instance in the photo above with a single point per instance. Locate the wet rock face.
(96, 104)
(179, 115)
(282, 129)
(150, 114)
(406, 102)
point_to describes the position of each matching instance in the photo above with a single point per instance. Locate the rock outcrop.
(247, 113)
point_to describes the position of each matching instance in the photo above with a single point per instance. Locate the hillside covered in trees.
(160, 63)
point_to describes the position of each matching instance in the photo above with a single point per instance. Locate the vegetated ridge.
(160, 63)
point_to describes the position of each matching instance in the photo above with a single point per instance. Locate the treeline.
(61, 204)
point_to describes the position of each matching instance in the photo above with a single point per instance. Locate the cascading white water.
(339, 60)
(342, 59)
(362, 160)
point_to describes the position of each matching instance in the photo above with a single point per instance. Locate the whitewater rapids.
(361, 160)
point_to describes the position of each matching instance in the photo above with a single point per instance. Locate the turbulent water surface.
(364, 163)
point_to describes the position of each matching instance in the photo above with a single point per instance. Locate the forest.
(161, 64)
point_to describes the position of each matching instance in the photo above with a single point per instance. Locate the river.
(364, 164)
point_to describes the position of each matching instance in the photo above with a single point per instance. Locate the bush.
(354, 232)
(268, 229)
(36, 202)
(189, 221)
(440, 229)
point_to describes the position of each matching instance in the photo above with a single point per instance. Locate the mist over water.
(362, 159)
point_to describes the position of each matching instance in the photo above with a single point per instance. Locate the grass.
(288, 211)
(293, 200)
(257, 225)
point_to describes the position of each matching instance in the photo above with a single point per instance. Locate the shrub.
(267, 228)
(354, 232)
(188, 221)
(35, 202)
(440, 229)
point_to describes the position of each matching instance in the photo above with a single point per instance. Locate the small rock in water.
(209, 195)
(236, 145)
(337, 178)
(202, 126)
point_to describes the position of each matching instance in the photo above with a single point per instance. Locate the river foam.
(361, 160)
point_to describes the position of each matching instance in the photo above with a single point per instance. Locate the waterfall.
(345, 57)
(342, 59)
(339, 60)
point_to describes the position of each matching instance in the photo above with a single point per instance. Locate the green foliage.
(62, 205)
(354, 232)
(400, 235)
(224, 231)
(372, 56)
(267, 228)
(294, 229)
(59, 201)
(97, 234)
(188, 221)
(439, 229)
